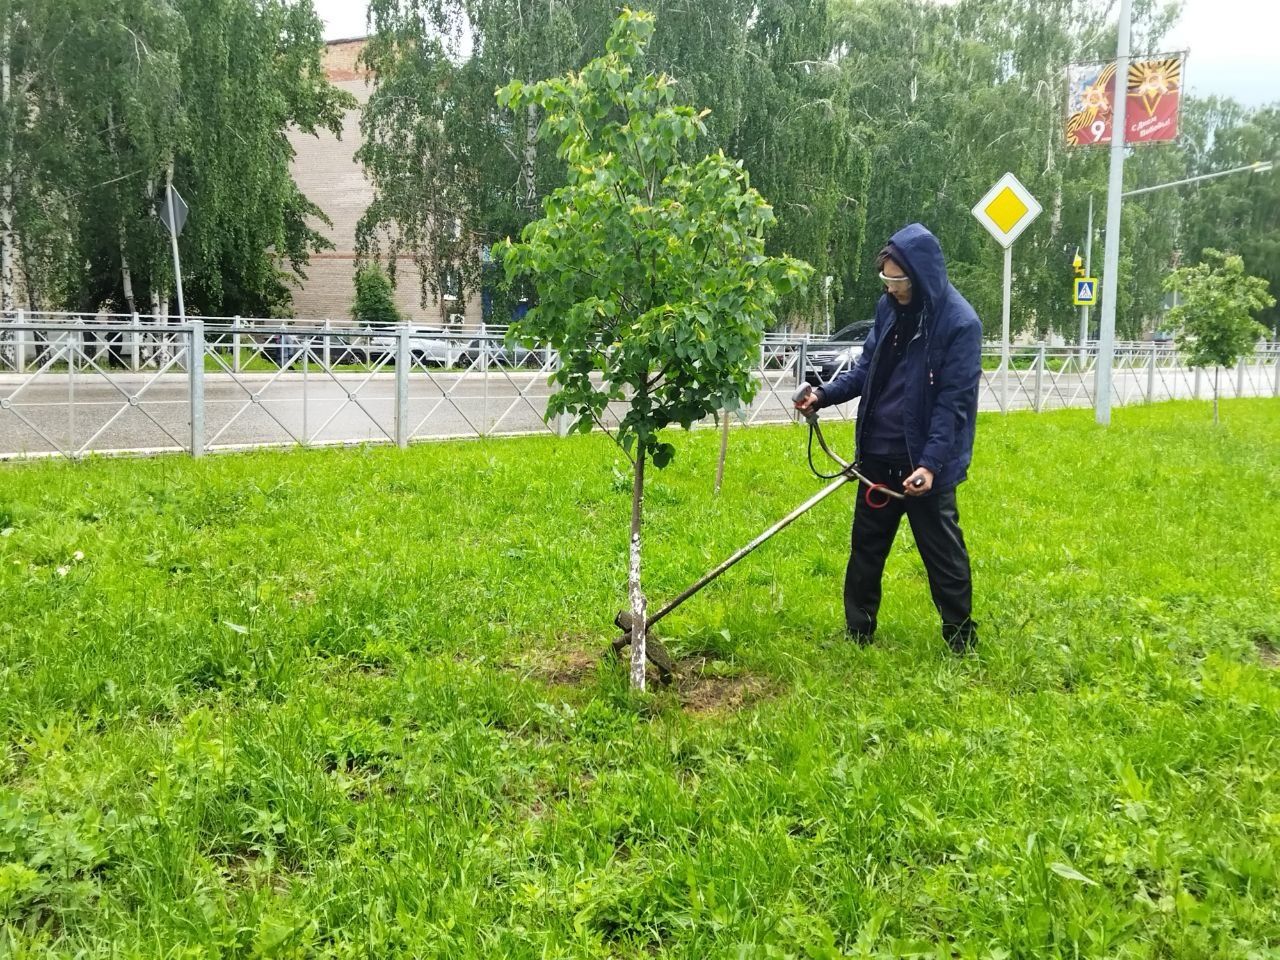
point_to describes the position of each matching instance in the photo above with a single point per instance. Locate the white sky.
(342, 18)
(1233, 50)
(1232, 43)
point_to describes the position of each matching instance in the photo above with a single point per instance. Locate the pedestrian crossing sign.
(1086, 291)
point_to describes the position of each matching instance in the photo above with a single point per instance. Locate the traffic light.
(1078, 263)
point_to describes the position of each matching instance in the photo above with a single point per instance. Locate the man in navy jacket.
(918, 379)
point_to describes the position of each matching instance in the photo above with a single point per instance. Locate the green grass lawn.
(251, 362)
(314, 361)
(350, 704)
(1022, 360)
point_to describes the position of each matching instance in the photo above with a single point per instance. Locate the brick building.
(326, 170)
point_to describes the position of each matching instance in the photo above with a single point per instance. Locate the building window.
(451, 286)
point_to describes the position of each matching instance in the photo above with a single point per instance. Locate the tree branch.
(609, 433)
(650, 384)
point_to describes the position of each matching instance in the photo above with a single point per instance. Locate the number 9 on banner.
(1098, 128)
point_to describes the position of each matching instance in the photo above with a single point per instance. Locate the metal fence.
(73, 386)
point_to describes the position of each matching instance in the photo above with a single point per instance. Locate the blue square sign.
(1086, 291)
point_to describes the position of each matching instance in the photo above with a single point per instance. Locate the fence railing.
(73, 387)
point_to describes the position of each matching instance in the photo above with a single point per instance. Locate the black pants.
(935, 523)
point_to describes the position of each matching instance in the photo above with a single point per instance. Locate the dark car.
(285, 349)
(829, 358)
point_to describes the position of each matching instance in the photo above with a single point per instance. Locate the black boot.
(962, 638)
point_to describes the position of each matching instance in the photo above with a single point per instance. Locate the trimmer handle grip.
(802, 392)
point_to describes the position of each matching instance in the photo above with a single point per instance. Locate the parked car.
(427, 346)
(839, 352)
(503, 354)
(437, 348)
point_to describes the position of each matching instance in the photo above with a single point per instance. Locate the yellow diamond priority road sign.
(1007, 210)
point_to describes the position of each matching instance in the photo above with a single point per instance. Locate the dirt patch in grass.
(702, 690)
(1268, 651)
(570, 667)
(701, 684)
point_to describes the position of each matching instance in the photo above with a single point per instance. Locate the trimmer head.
(655, 652)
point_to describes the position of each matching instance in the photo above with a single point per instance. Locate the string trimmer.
(877, 495)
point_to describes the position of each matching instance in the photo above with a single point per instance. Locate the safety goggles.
(898, 282)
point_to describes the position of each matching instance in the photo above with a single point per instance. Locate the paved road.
(89, 412)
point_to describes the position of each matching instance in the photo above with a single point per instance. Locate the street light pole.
(1088, 268)
(1111, 254)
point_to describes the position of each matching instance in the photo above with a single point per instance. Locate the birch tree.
(107, 97)
(441, 156)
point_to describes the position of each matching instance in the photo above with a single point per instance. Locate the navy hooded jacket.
(942, 364)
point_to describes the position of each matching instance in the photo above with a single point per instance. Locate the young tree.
(652, 279)
(1214, 317)
(375, 302)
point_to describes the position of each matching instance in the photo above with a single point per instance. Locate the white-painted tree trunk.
(639, 623)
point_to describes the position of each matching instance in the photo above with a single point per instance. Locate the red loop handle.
(881, 490)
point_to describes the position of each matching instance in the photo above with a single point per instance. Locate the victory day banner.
(1151, 112)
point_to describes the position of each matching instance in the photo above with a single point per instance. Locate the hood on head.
(923, 262)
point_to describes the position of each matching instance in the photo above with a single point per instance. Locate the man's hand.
(919, 483)
(808, 403)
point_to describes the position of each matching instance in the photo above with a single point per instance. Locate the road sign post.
(1006, 210)
(1005, 306)
(173, 213)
